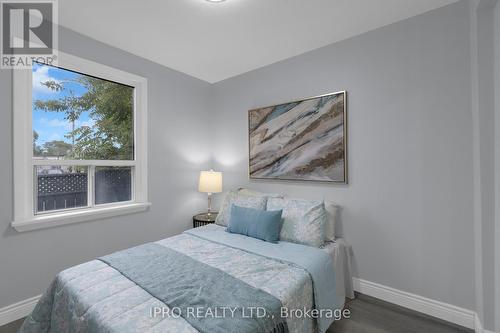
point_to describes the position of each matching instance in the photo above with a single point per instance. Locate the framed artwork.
(300, 140)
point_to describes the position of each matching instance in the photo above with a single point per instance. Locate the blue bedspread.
(313, 260)
(95, 297)
(191, 286)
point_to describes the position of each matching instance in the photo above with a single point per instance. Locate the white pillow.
(303, 221)
(238, 199)
(332, 211)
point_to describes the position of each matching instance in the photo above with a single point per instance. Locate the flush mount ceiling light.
(215, 0)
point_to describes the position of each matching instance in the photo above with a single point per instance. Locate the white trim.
(478, 326)
(17, 310)
(23, 138)
(24, 201)
(84, 162)
(444, 311)
(140, 174)
(441, 310)
(79, 215)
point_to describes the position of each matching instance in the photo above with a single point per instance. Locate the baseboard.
(451, 313)
(17, 310)
(478, 328)
(441, 310)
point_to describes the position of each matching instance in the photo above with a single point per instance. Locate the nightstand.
(202, 219)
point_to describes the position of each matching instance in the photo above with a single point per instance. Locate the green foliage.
(56, 148)
(37, 150)
(110, 106)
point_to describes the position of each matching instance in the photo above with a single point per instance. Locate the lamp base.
(209, 211)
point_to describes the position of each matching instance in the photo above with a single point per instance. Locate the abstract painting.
(301, 140)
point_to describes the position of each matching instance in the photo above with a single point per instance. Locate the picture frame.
(303, 140)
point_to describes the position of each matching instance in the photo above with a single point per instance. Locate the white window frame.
(24, 187)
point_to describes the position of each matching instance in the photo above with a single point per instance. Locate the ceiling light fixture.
(216, 0)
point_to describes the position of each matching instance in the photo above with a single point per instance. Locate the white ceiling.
(215, 41)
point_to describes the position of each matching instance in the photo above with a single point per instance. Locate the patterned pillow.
(241, 200)
(304, 221)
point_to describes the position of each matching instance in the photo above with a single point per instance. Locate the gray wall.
(477, 216)
(178, 150)
(483, 111)
(486, 151)
(407, 210)
(486, 123)
(497, 164)
(408, 207)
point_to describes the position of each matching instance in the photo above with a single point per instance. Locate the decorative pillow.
(256, 223)
(234, 198)
(332, 211)
(304, 221)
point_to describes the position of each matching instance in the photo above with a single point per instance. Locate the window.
(79, 143)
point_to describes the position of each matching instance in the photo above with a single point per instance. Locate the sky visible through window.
(77, 116)
(52, 126)
(80, 117)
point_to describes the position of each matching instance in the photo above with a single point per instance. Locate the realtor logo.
(29, 33)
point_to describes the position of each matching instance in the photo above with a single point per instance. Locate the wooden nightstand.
(199, 220)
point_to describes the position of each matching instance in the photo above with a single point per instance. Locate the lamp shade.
(210, 182)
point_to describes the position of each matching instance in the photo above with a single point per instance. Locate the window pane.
(60, 187)
(113, 184)
(77, 116)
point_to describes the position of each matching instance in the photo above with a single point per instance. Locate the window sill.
(56, 219)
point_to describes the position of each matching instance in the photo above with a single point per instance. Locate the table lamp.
(210, 182)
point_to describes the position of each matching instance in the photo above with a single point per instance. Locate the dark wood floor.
(11, 327)
(368, 315)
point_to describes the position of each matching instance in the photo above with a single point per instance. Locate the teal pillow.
(256, 223)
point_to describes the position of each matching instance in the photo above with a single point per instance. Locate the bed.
(104, 295)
